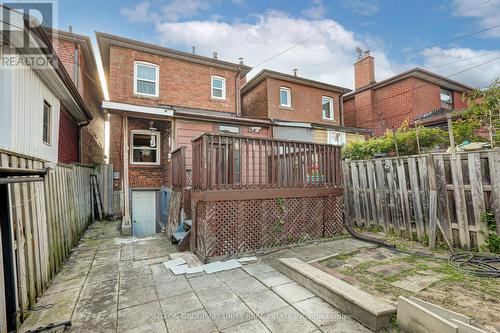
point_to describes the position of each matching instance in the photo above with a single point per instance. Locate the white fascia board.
(137, 108)
(293, 124)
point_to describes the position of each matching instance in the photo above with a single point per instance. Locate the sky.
(456, 38)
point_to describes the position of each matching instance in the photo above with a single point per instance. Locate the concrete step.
(367, 309)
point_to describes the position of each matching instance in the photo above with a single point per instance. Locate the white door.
(143, 213)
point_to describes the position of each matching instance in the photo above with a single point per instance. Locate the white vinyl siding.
(218, 87)
(22, 96)
(285, 97)
(146, 79)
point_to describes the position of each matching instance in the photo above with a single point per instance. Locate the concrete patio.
(116, 284)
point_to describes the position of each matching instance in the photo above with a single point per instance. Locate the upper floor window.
(145, 147)
(218, 87)
(47, 116)
(285, 97)
(327, 103)
(146, 79)
(446, 99)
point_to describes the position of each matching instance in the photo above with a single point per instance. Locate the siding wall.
(22, 94)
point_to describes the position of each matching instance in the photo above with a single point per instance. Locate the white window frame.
(223, 79)
(448, 105)
(157, 148)
(49, 122)
(229, 129)
(332, 108)
(289, 99)
(156, 82)
(340, 142)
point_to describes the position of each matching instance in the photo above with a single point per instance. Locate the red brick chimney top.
(364, 71)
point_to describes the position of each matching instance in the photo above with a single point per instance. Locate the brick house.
(84, 144)
(299, 108)
(159, 100)
(416, 94)
(42, 108)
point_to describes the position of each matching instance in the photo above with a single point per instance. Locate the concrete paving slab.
(346, 245)
(234, 274)
(390, 269)
(174, 262)
(230, 313)
(246, 286)
(142, 318)
(158, 268)
(273, 279)
(178, 270)
(412, 316)
(216, 295)
(95, 315)
(104, 290)
(254, 326)
(318, 311)
(180, 304)
(292, 292)
(59, 308)
(66, 285)
(247, 260)
(416, 283)
(136, 282)
(195, 270)
(264, 302)
(136, 296)
(311, 252)
(345, 326)
(173, 288)
(204, 282)
(255, 269)
(193, 322)
(287, 320)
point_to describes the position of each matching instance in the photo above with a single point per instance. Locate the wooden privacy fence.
(47, 219)
(253, 193)
(417, 195)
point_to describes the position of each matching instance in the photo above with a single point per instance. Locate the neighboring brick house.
(83, 143)
(406, 96)
(299, 108)
(41, 108)
(159, 100)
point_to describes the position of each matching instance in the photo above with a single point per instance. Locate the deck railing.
(228, 162)
(179, 168)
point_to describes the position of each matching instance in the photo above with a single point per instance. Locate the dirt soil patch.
(389, 274)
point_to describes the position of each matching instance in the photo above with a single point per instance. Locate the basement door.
(143, 213)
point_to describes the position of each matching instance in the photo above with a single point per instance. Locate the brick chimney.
(364, 71)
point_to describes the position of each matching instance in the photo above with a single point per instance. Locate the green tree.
(484, 110)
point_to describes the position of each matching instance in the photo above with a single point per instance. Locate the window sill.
(287, 108)
(142, 165)
(219, 100)
(329, 119)
(155, 98)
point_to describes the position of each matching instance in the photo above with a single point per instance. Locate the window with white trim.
(146, 79)
(336, 138)
(446, 97)
(47, 116)
(218, 87)
(144, 146)
(327, 105)
(229, 129)
(285, 97)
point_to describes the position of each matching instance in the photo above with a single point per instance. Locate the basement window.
(446, 99)
(327, 104)
(285, 97)
(146, 79)
(218, 87)
(336, 138)
(145, 147)
(47, 116)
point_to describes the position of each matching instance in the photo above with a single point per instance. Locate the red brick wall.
(68, 138)
(254, 102)
(349, 113)
(306, 103)
(150, 176)
(182, 83)
(116, 147)
(364, 72)
(92, 135)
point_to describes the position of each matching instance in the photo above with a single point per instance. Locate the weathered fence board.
(420, 195)
(47, 219)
